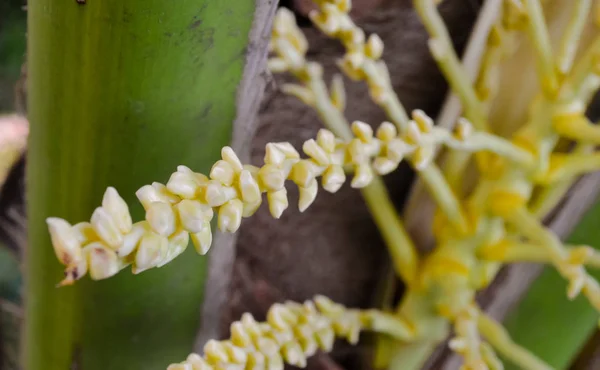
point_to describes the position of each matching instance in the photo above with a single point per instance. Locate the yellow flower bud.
(374, 47)
(178, 242)
(386, 131)
(215, 194)
(236, 354)
(303, 172)
(118, 209)
(239, 336)
(278, 202)
(333, 178)
(203, 239)
(249, 188)
(106, 228)
(256, 361)
(363, 175)
(230, 157)
(103, 262)
(193, 215)
(230, 216)
(424, 122)
(307, 195)
(271, 177)
(161, 218)
(132, 239)
(85, 233)
(293, 354)
(149, 194)
(149, 252)
(383, 165)
(223, 172)
(183, 184)
(197, 362)
(326, 140)
(313, 150)
(215, 352)
(325, 338)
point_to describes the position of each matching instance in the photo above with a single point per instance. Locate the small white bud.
(223, 172)
(215, 194)
(161, 218)
(118, 209)
(333, 178)
(278, 202)
(197, 362)
(251, 208)
(384, 166)
(230, 216)
(193, 215)
(307, 195)
(215, 352)
(413, 134)
(271, 177)
(85, 233)
(149, 252)
(203, 239)
(303, 172)
(230, 157)
(424, 122)
(292, 353)
(463, 130)
(362, 131)
(149, 194)
(326, 140)
(178, 243)
(374, 47)
(183, 184)
(249, 188)
(132, 239)
(386, 131)
(313, 150)
(106, 228)
(103, 262)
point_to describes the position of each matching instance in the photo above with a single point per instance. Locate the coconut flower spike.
(292, 332)
(476, 233)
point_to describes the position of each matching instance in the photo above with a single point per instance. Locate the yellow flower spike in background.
(292, 332)
(477, 231)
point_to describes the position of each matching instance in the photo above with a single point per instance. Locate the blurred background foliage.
(12, 49)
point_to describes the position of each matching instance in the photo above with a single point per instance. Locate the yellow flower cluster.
(183, 208)
(292, 333)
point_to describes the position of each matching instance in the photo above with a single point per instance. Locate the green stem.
(497, 336)
(401, 248)
(120, 93)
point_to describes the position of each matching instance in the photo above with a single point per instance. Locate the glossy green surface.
(120, 93)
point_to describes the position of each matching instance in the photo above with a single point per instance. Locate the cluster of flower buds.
(333, 19)
(288, 43)
(291, 333)
(183, 208)
(362, 58)
(467, 342)
(579, 280)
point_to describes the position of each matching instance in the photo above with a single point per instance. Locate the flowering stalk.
(292, 332)
(103, 79)
(475, 232)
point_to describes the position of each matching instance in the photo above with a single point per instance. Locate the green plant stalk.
(538, 322)
(120, 92)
